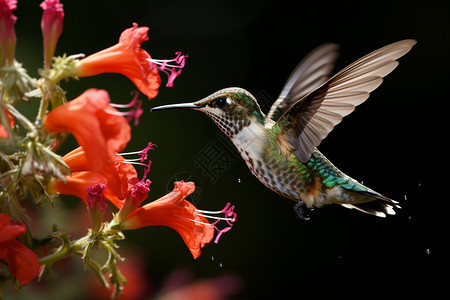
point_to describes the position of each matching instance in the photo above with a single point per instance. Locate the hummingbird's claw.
(302, 211)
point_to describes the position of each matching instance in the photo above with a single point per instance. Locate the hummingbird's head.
(231, 109)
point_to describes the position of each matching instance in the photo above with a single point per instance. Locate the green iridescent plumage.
(329, 175)
(292, 162)
(317, 166)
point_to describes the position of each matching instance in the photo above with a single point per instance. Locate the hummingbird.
(280, 148)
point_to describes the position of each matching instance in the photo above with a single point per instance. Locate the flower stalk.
(105, 238)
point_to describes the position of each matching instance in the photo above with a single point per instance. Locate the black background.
(396, 142)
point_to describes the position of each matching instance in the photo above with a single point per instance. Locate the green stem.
(66, 249)
(47, 87)
(98, 272)
(9, 173)
(55, 256)
(42, 107)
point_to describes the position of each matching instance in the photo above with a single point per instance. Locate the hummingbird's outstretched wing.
(310, 119)
(311, 72)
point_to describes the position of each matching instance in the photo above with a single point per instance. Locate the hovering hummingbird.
(280, 148)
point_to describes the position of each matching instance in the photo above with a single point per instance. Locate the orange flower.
(120, 177)
(99, 128)
(127, 58)
(3, 132)
(117, 177)
(174, 211)
(22, 262)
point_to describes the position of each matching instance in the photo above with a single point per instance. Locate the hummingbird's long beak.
(179, 105)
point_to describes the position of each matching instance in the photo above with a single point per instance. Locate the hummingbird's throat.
(229, 125)
(251, 141)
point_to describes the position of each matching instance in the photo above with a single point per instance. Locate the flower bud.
(51, 26)
(96, 204)
(7, 34)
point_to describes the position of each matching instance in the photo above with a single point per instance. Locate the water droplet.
(406, 198)
(212, 257)
(428, 251)
(239, 180)
(420, 184)
(220, 265)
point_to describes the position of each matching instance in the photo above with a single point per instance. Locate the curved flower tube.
(97, 127)
(117, 177)
(175, 211)
(126, 58)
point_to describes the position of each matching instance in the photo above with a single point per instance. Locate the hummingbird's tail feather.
(374, 204)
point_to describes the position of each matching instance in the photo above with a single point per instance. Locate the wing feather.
(310, 73)
(309, 120)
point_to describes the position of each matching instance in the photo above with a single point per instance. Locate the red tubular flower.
(51, 26)
(3, 132)
(78, 182)
(22, 262)
(120, 177)
(127, 58)
(117, 177)
(174, 211)
(98, 127)
(118, 174)
(7, 34)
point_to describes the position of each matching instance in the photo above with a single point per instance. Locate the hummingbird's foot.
(302, 211)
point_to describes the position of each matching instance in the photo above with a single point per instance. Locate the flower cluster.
(96, 171)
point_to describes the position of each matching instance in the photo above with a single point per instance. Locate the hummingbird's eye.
(220, 102)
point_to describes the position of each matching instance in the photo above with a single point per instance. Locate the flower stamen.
(144, 151)
(172, 70)
(132, 160)
(132, 103)
(135, 111)
(143, 156)
(229, 217)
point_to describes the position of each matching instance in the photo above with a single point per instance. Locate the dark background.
(396, 142)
